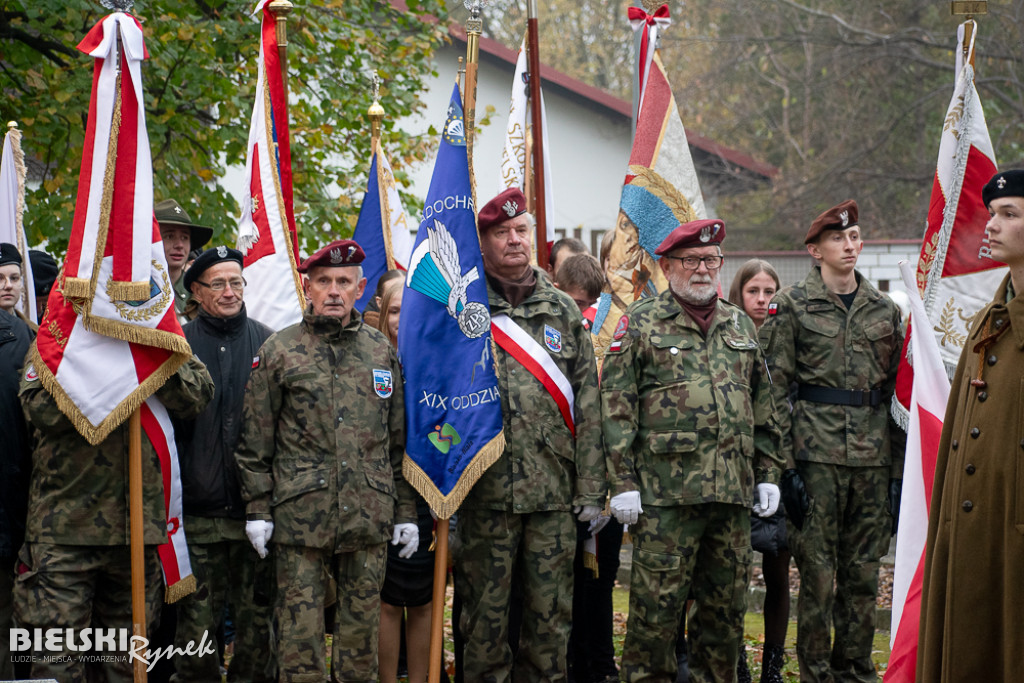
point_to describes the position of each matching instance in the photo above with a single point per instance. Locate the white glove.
(626, 507)
(768, 500)
(259, 532)
(598, 523)
(586, 513)
(408, 535)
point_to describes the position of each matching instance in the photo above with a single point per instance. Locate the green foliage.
(199, 84)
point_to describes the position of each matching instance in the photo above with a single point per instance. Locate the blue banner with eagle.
(452, 406)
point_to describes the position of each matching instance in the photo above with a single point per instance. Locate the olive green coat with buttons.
(810, 337)
(320, 453)
(543, 467)
(972, 607)
(688, 419)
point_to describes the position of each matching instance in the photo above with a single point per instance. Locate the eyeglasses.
(220, 285)
(693, 262)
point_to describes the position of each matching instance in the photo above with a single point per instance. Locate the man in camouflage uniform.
(516, 525)
(839, 339)
(689, 425)
(74, 570)
(320, 462)
(225, 565)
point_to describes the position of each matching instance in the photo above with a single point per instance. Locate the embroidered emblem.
(177, 209)
(552, 338)
(336, 256)
(510, 207)
(255, 204)
(444, 437)
(845, 218)
(255, 362)
(382, 383)
(1001, 183)
(615, 346)
(222, 251)
(30, 373)
(773, 309)
(620, 328)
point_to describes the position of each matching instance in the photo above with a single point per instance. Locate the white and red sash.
(518, 343)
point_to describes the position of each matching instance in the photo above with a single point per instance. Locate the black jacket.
(15, 453)
(206, 445)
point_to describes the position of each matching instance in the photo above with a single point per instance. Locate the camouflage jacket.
(810, 338)
(79, 493)
(542, 466)
(688, 419)
(323, 435)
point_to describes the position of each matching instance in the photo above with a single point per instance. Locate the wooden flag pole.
(536, 118)
(474, 27)
(138, 548)
(281, 9)
(438, 603)
(376, 114)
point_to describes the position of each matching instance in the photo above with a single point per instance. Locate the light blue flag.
(452, 405)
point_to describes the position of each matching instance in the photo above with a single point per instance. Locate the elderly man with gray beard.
(690, 427)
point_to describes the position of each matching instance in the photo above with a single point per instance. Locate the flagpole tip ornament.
(118, 5)
(474, 24)
(651, 6)
(1004, 184)
(12, 125)
(376, 110)
(280, 8)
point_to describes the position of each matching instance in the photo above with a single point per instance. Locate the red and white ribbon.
(652, 23)
(535, 358)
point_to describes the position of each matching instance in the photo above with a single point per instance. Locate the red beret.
(336, 254)
(839, 217)
(702, 233)
(507, 205)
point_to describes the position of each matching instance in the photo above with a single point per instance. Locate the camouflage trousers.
(225, 572)
(307, 580)
(535, 551)
(78, 587)
(842, 541)
(687, 551)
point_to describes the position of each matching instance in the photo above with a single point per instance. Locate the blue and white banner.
(452, 405)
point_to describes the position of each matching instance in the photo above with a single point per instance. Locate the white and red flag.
(266, 229)
(955, 275)
(518, 135)
(661, 189)
(928, 399)
(12, 209)
(110, 337)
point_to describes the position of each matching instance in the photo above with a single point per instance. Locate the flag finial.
(474, 23)
(651, 6)
(375, 109)
(118, 5)
(12, 125)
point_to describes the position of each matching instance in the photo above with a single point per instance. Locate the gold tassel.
(590, 562)
(181, 589)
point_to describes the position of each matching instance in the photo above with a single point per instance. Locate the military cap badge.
(510, 207)
(222, 251)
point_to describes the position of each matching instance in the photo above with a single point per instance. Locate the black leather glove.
(895, 491)
(794, 497)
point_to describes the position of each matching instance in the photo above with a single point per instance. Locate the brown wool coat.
(972, 611)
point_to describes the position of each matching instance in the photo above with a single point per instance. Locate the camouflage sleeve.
(40, 408)
(619, 402)
(778, 339)
(591, 470)
(254, 455)
(187, 391)
(405, 508)
(767, 433)
(897, 437)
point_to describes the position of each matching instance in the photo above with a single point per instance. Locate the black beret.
(1006, 184)
(44, 271)
(9, 254)
(207, 260)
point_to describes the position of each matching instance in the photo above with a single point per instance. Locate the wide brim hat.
(169, 212)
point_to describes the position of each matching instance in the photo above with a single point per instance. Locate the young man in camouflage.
(690, 427)
(320, 462)
(225, 565)
(74, 570)
(839, 339)
(517, 524)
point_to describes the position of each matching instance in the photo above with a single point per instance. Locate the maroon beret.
(702, 233)
(336, 254)
(839, 217)
(508, 204)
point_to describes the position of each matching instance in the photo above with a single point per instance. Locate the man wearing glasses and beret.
(225, 565)
(690, 427)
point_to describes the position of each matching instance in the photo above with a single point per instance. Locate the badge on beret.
(552, 339)
(30, 373)
(773, 309)
(510, 207)
(382, 383)
(620, 328)
(222, 251)
(1001, 183)
(845, 218)
(336, 256)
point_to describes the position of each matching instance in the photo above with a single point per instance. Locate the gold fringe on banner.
(446, 506)
(128, 291)
(182, 589)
